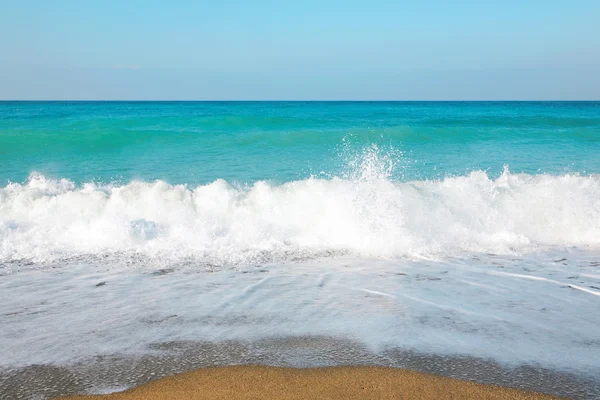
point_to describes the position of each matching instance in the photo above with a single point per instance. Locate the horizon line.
(300, 100)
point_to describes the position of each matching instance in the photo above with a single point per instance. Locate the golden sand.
(259, 382)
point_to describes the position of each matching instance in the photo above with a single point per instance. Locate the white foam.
(539, 278)
(79, 311)
(367, 215)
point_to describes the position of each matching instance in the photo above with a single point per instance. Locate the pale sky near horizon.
(433, 50)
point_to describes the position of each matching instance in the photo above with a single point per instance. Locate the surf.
(366, 214)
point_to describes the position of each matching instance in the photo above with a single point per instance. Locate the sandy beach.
(260, 382)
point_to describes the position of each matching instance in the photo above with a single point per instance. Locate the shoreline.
(167, 360)
(342, 382)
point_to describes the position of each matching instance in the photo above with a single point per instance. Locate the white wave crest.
(44, 220)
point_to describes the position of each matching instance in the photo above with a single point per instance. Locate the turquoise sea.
(198, 142)
(456, 238)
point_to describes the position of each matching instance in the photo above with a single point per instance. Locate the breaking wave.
(365, 213)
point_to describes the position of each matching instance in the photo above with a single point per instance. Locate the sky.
(301, 50)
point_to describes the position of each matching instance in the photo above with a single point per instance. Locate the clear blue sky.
(226, 49)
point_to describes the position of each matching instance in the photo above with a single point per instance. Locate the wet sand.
(305, 369)
(360, 382)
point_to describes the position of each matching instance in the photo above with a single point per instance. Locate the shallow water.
(535, 311)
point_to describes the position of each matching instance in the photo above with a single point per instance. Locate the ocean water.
(455, 229)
